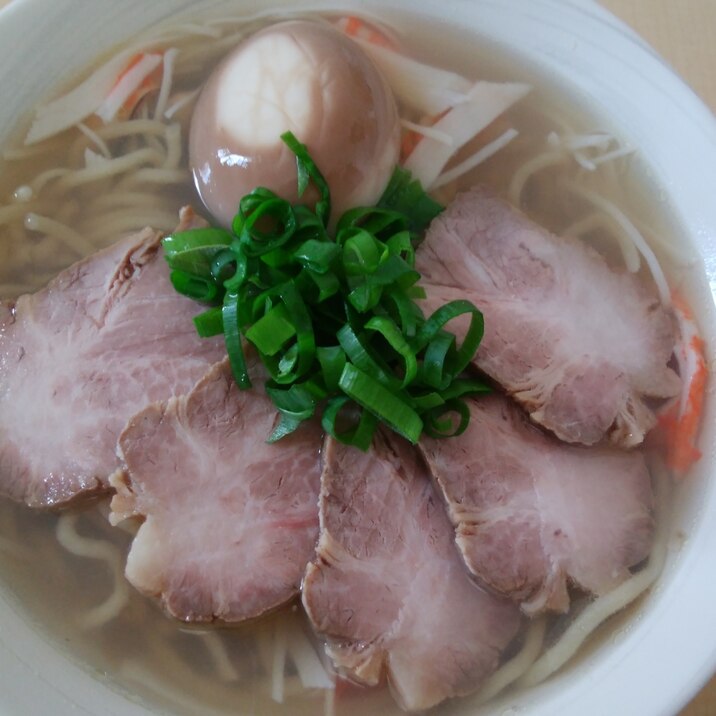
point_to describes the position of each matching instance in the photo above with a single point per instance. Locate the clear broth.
(165, 664)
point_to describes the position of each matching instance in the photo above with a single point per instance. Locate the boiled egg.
(303, 77)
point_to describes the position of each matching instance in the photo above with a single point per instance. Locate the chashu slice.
(230, 521)
(533, 514)
(388, 589)
(582, 347)
(78, 358)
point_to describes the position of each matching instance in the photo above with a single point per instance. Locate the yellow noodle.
(605, 606)
(592, 222)
(156, 144)
(529, 169)
(95, 139)
(516, 667)
(80, 546)
(174, 147)
(611, 210)
(14, 212)
(167, 81)
(157, 176)
(132, 127)
(329, 703)
(220, 656)
(41, 180)
(278, 664)
(69, 237)
(111, 167)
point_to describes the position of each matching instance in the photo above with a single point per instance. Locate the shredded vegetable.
(130, 87)
(451, 109)
(421, 87)
(332, 318)
(680, 421)
(484, 103)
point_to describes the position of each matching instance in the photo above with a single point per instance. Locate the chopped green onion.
(193, 250)
(210, 323)
(405, 195)
(395, 339)
(307, 170)
(333, 318)
(440, 422)
(232, 337)
(295, 405)
(196, 287)
(380, 401)
(270, 333)
(357, 352)
(317, 255)
(360, 435)
(333, 361)
(256, 240)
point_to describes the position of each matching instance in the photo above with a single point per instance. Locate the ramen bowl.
(655, 659)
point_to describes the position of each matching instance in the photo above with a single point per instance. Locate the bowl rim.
(577, 42)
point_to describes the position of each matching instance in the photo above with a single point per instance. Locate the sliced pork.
(389, 590)
(533, 514)
(230, 521)
(78, 358)
(582, 347)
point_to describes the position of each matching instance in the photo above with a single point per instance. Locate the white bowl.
(669, 651)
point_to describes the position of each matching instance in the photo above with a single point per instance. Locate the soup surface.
(58, 202)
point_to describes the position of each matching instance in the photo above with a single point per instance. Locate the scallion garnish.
(333, 319)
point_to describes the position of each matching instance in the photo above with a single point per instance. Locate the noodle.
(516, 667)
(631, 257)
(677, 255)
(196, 693)
(475, 160)
(69, 237)
(605, 606)
(180, 104)
(88, 199)
(157, 176)
(279, 661)
(329, 703)
(631, 231)
(41, 180)
(214, 644)
(80, 546)
(427, 131)
(13, 212)
(174, 148)
(96, 139)
(167, 79)
(132, 127)
(111, 167)
(23, 194)
(529, 169)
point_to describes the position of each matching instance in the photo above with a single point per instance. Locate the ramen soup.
(444, 573)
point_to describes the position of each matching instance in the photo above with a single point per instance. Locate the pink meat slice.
(388, 589)
(582, 347)
(532, 514)
(78, 358)
(230, 522)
